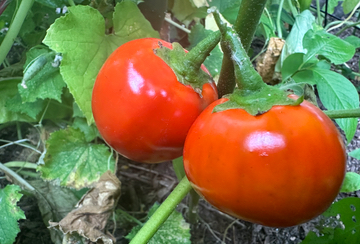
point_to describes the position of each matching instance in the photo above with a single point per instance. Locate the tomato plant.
(281, 168)
(140, 107)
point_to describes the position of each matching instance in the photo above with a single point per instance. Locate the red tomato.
(139, 106)
(280, 169)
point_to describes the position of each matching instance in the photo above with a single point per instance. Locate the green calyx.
(259, 102)
(252, 94)
(187, 66)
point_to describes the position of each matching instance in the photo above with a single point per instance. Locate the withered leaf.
(265, 64)
(93, 210)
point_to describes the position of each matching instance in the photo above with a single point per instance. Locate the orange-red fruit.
(280, 169)
(140, 108)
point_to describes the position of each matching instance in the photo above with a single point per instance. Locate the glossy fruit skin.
(140, 108)
(279, 169)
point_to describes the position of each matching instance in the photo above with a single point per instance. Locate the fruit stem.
(245, 26)
(247, 79)
(162, 213)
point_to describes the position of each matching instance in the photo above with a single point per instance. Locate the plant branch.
(162, 213)
(16, 177)
(347, 19)
(278, 18)
(245, 25)
(318, 12)
(20, 164)
(345, 113)
(14, 29)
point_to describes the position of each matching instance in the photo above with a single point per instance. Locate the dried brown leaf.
(265, 64)
(93, 210)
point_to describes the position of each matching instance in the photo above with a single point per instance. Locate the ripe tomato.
(281, 168)
(140, 108)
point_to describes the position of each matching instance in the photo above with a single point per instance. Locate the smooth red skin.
(278, 169)
(140, 108)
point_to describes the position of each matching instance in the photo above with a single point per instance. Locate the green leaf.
(351, 182)
(80, 37)
(291, 65)
(336, 92)
(8, 89)
(10, 213)
(330, 46)
(90, 131)
(46, 82)
(348, 210)
(355, 153)
(214, 60)
(73, 162)
(174, 230)
(32, 109)
(349, 5)
(294, 41)
(353, 40)
(331, 6)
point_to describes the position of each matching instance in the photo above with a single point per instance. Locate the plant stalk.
(278, 18)
(318, 10)
(245, 25)
(345, 113)
(162, 213)
(14, 28)
(16, 177)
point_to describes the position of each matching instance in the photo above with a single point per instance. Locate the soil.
(143, 184)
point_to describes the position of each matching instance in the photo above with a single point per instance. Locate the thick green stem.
(278, 19)
(247, 79)
(248, 19)
(14, 28)
(162, 213)
(346, 113)
(318, 12)
(245, 25)
(178, 166)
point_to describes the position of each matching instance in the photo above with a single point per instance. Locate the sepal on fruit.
(187, 65)
(258, 102)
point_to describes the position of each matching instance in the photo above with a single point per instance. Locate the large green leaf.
(174, 230)
(330, 46)
(10, 213)
(294, 41)
(80, 37)
(72, 161)
(336, 92)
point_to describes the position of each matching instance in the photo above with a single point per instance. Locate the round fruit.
(139, 106)
(280, 169)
